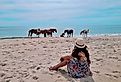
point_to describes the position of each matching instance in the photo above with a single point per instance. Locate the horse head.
(65, 31)
(53, 30)
(62, 35)
(56, 30)
(88, 30)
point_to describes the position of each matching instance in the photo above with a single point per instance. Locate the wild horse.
(69, 32)
(50, 31)
(84, 33)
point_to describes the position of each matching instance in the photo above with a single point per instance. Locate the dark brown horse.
(84, 33)
(50, 31)
(69, 32)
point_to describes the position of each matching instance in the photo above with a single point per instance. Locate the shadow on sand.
(65, 75)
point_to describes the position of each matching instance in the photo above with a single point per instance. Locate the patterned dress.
(78, 68)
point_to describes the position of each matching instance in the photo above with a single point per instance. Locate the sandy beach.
(27, 60)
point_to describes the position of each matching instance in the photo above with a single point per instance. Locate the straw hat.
(80, 43)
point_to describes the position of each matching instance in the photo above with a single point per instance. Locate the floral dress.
(78, 68)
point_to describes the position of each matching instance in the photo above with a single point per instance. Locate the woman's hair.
(76, 50)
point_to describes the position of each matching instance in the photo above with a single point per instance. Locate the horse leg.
(38, 35)
(51, 34)
(67, 35)
(72, 34)
(86, 35)
(83, 35)
(31, 35)
(44, 34)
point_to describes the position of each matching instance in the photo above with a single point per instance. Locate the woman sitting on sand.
(77, 63)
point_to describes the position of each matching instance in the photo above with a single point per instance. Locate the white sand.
(27, 60)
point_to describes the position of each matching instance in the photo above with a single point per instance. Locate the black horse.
(69, 32)
(84, 33)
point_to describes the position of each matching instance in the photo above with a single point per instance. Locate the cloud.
(30, 11)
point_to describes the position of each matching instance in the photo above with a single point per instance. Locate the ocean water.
(22, 31)
(19, 16)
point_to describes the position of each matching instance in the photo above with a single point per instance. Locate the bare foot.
(53, 68)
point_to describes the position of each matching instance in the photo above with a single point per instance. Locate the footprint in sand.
(16, 45)
(28, 49)
(97, 71)
(24, 44)
(3, 64)
(98, 59)
(35, 77)
(116, 72)
(5, 52)
(2, 75)
(119, 59)
(32, 67)
(113, 57)
(5, 80)
(110, 75)
(21, 52)
(38, 68)
(21, 80)
(44, 46)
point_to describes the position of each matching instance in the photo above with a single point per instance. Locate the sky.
(59, 12)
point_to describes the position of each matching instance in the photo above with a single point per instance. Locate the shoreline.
(96, 35)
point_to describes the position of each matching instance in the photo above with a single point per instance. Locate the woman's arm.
(65, 58)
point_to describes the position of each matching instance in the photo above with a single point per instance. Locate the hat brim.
(80, 46)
